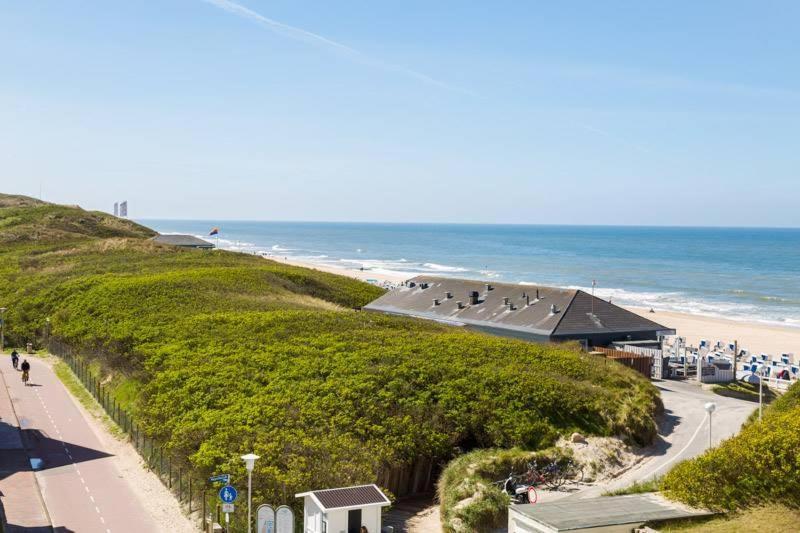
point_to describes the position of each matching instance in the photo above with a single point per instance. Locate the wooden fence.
(640, 362)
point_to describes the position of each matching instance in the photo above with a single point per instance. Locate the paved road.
(683, 432)
(81, 485)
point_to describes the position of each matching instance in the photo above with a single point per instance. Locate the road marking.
(678, 455)
(97, 509)
(92, 498)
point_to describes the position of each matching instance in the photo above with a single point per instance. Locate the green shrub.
(759, 465)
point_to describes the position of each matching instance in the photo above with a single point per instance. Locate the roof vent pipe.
(460, 304)
(489, 287)
(553, 309)
(537, 294)
(436, 301)
(505, 300)
(527, 300)
(448, 295)
(473, 297)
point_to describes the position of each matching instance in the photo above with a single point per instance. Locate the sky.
(580, 112)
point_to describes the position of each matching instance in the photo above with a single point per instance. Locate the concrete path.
(81, 486)
(683, 432)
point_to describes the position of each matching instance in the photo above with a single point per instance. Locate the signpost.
(224, 478)
(227, 496)
(284, 520)
(265, 519)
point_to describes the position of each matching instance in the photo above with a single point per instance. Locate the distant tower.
(116, 209)
(123, 209)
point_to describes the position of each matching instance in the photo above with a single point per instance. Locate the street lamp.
(710, 407)
(2, 328)
(250, 464)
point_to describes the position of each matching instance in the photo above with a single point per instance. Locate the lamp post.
(2, 328)
(250, 464)
(710, 407)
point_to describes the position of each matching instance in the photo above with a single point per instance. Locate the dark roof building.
(183, 241)
(523, 311)
(348, 497)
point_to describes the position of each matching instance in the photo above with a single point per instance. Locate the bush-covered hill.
(26, 219)
(225, 353)
(760, 465)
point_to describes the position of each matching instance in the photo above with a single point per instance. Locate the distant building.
(116, 209)
(123, 209)
(183, 241)
(536, 313)
(346, 509)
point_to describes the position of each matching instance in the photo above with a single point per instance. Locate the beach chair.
(764, 357)
(753, 359)
(703, 343)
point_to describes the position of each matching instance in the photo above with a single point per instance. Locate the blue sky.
(677, 113)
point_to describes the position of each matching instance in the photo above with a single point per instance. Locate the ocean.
(750, 274)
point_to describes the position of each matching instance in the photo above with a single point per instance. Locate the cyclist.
(14, 359)
(26, 368)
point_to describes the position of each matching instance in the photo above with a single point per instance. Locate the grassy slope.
(762, 519)
(759, 465)
(224, 352)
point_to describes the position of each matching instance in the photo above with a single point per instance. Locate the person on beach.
(14, 359)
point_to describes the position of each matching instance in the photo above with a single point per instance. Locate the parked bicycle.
(554, 475)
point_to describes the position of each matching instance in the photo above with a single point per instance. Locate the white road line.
(91, 498)
(97, 509)
(680, 453)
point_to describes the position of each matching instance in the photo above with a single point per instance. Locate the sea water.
(739, 273)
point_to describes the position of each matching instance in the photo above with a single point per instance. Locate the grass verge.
(80, 393)
(638, 487)
(768, 518)
(743, 391)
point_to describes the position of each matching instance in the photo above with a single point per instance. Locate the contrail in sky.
(300, 34)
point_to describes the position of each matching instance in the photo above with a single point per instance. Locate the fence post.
(180, 484)
(190, 494)
(169, 468)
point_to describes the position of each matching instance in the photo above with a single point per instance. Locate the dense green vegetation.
(759, 465)
(220, 354)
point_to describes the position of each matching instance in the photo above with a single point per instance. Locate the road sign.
(227, 508)
(265, 519)
(225, 478)
(228, 494)
(284, 520)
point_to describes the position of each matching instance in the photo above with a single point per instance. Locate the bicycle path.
(20, 503)
(82, 488)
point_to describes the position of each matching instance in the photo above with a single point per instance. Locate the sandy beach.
(753, 336)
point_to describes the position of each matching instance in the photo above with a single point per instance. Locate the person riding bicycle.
(26, 368)
(14, 359)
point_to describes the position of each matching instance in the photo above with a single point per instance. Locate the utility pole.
(760, 392)
(710, 407)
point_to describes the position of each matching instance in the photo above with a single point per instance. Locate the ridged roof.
(511, 306)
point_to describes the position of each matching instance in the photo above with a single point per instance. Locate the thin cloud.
(300, 34)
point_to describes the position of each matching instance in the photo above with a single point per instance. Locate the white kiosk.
(343, 510)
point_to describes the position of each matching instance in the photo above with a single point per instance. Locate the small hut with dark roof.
(343, 509)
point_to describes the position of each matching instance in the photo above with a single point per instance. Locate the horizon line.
(423, 223)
